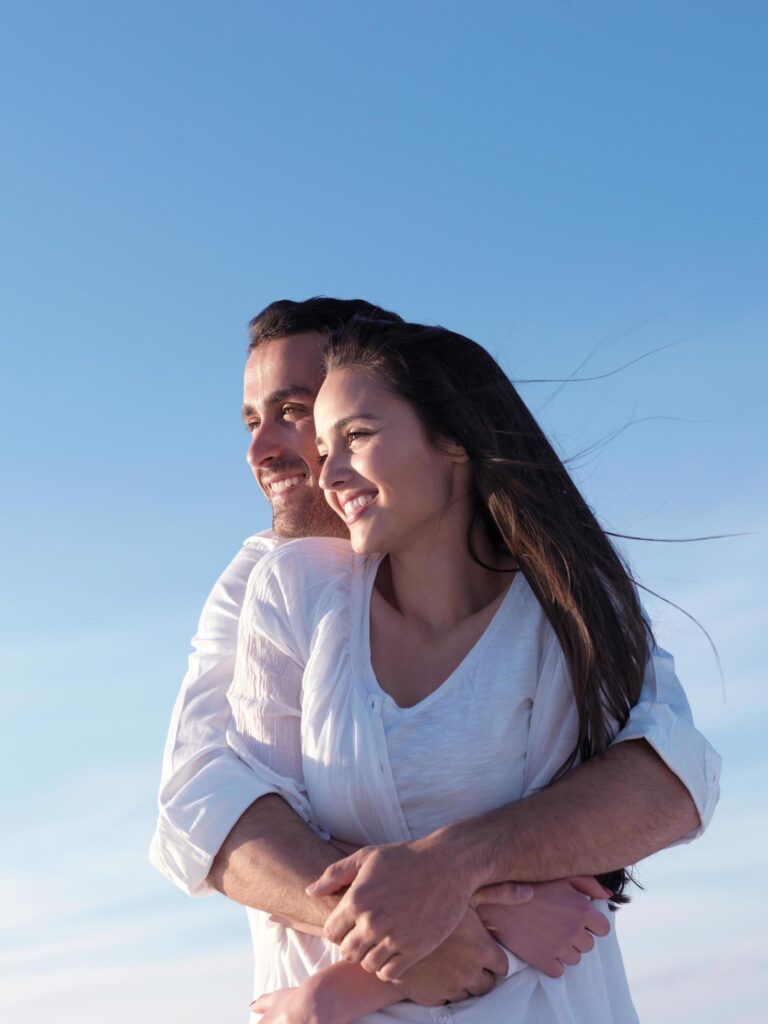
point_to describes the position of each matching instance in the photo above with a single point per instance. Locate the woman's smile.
(356, 506)
(380, 471)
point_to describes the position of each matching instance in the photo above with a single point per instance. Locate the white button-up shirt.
(208, 783)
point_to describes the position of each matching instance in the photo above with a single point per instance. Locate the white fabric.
(205, 787)
(371, 772)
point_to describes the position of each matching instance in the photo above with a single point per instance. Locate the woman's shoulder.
(294, 584)
(300, 570)
(308, 558)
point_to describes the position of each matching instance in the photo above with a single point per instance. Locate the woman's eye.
(353, 435)
(321, 458)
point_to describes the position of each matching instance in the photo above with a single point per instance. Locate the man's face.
(281, 381)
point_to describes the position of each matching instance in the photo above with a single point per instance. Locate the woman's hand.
(288, 1006)
(338, 994)
(555, 927)
(403, 901)
(467, 964)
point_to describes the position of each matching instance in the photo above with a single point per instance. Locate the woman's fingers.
(570, 956)
(554, 969)
(585, 942)
(483, 985)
(507, 893)
(597, 923)
(589, 886)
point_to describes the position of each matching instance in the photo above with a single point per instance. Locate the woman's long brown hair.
(527, 502)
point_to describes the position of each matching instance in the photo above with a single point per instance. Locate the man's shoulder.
(261, 543)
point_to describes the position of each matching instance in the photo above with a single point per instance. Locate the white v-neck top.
(306, 706)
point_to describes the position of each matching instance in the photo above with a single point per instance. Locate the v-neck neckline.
(370, 569)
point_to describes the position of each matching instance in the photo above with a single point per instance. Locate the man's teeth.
(283, 485)
(353, 503)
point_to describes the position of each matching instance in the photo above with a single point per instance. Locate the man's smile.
(280, 487)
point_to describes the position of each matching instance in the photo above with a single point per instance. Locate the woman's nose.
(335, 472)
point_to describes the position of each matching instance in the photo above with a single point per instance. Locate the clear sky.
(563, 182)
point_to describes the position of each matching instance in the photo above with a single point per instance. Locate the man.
(224, 827)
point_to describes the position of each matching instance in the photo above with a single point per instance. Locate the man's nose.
(265, 444)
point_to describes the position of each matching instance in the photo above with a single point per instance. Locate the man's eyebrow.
(345, 420)
(292, 391)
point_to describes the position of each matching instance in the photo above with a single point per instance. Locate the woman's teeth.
(355, 503)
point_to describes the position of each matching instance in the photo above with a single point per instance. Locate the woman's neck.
(435, 580)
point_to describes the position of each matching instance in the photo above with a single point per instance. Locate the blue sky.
(561, 181)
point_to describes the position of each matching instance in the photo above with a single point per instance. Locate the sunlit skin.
(402, 494)
(281, 380)
(399, 493)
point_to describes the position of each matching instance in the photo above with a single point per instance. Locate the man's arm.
(634, 800)
(606, 814)
(205, 787)
(268, 860)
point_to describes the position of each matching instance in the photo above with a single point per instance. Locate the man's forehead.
(283, 366)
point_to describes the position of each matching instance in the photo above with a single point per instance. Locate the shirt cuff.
(684, 751)
(192, 826)
(514, 963)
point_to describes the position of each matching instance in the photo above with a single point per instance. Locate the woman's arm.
(336, 995)
(345, 991)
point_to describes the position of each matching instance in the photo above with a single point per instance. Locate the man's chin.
(312, 519)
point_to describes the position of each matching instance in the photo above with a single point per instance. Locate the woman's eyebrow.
(345, 420)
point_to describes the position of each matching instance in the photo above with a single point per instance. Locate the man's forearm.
(608, 813)
(268, 859)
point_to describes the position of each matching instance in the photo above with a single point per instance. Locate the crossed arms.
(222, 826)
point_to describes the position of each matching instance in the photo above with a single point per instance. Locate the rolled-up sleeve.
(205, 787)
(662, 717)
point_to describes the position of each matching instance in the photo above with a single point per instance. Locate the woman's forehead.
(351, 391)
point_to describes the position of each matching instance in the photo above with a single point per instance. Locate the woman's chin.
(362, 542)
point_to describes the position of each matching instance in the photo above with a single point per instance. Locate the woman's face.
(380, 473)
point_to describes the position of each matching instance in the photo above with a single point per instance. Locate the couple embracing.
(425, 728)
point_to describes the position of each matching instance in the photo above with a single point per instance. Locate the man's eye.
(250, 425)
(294, 410)
(321, 457)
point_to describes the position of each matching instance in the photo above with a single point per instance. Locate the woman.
(481, 637)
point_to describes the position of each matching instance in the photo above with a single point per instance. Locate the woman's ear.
(455, 451)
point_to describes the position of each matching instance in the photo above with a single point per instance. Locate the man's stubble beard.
(312, 518)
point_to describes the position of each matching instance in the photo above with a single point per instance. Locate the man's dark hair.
(285, 317)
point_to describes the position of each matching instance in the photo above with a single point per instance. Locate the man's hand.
(466, 964)
(375, 923)
(555, 927)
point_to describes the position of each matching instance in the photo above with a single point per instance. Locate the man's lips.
(281, 486)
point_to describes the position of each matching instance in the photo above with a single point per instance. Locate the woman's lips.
(355, 507)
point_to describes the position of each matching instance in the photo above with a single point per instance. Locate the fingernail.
(607, 892)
